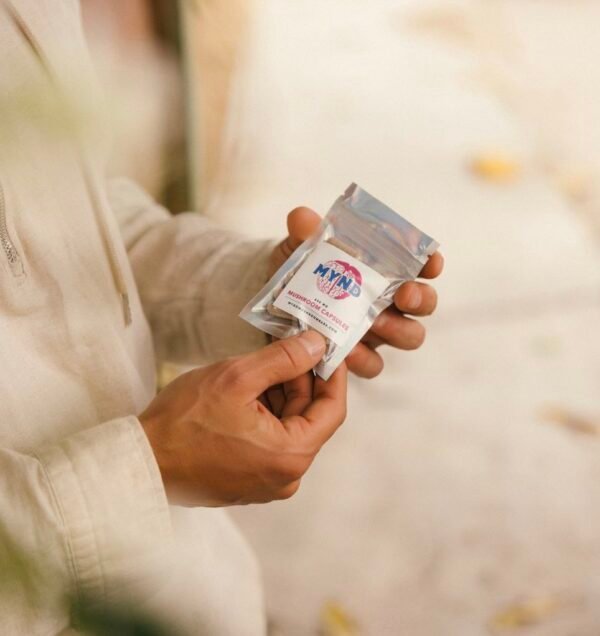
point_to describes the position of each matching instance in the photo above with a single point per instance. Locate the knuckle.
(289, 353)
(288, 468)
(288, 491)
(229, 374)
(295, 393)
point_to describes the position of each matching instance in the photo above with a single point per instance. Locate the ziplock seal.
(343, 277)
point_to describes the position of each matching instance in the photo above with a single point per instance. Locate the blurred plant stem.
(95, 619)
(35, 586)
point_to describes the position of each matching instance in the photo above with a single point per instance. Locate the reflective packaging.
(343, 277)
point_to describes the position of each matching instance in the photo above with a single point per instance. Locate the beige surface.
(451, 492)
(142, 86)
(220, 31)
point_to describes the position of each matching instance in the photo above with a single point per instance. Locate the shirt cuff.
(108, 490)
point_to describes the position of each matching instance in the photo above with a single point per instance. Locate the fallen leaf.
(336, 621)
(570, 420)
(576, 185)
(525, 613)
(496, 167)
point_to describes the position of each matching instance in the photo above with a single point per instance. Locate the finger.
(298, 394)
(276, 399)
(364, 362)
(302, 223)
(249, 376)
(325, 413)
(399, 331)
(434, 266)
(418, 299)
(372, 341)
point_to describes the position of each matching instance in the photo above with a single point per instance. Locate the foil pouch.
(343, 277)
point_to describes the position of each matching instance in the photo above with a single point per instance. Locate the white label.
(331, 292)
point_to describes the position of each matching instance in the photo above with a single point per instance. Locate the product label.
(331, 292)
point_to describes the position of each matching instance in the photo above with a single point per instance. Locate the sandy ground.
(459, 488)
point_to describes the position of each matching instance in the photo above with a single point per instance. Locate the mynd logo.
(338, 279)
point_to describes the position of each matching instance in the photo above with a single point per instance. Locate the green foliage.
(108, 620)
(36, 586)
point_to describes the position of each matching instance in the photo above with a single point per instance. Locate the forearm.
(193, 278)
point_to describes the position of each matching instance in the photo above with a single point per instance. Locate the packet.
(343, 277)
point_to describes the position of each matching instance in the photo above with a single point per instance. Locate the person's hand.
(393, 326)
(245, 430)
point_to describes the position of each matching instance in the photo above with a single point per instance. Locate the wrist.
(151, 429)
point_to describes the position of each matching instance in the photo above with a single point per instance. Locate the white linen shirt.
(80, 490)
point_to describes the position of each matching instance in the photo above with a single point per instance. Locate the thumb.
(302, 223)
(277, 363)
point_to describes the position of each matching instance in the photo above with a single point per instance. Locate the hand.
(393, 326)
(247, 429)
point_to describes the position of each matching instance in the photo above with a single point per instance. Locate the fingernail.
(414, 298)
(313, 342)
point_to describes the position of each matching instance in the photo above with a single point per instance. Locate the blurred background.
(462, 496)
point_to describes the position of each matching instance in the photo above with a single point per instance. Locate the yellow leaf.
(525, 613)
(496, 167)
(570, 420)
(336, 621)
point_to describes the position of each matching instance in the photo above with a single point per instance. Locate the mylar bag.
(343, 277)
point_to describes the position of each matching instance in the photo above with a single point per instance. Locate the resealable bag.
(343, 277)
